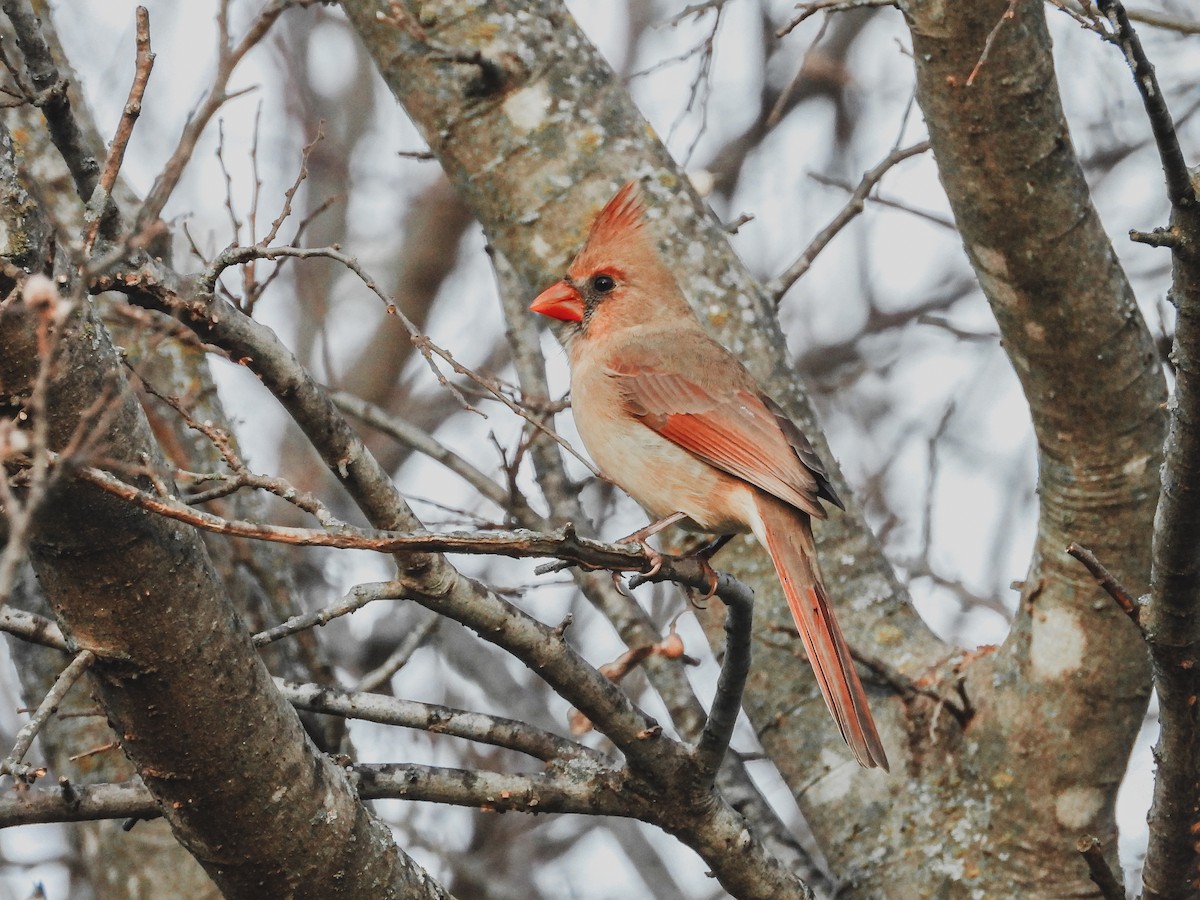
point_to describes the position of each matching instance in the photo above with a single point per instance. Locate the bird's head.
(618, 279)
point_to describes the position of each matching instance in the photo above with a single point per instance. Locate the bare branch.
(1007, 16)
(1179, 184)
(1098, 868)
(1160, 20)
(12, 764)
(811, 9)
(435, 719)
(566, 543)
(780, 286)
(420, 440)
(416, 637)
(735, 667)
(100, 208)
(1108, 581)
(357, 597)
(52, 96)
(228, 57)
(31, 627)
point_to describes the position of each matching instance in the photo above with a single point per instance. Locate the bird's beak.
(561, 301)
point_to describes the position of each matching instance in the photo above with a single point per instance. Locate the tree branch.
(1179, 183)
(853, 207)
(1087, 364)
(435, 719)
(12, 764)
(53, 99)
(141, 594)
(229, 55)
(1108, 581)
(565, 544)
(101, 211)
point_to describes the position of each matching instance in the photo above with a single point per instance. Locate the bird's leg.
(639, 537)
(713, 547)
(704, 556)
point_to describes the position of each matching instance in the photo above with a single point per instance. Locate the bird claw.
(656, 560)
(713, 578)
(639, 537)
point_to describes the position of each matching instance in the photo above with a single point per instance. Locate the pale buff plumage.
(676, 420)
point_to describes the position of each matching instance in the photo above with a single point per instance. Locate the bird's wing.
(733, 429)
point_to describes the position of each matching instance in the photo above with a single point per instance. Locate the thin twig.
(473, 726)
(932, 218)
(1007, 16)
(228, 57)
(242, 475)
(419, 439)
(565, 542)
(807, 10)
(1108, 581)
(100, 208)
(1179, 185)
(1157, 19)
(1098, 868)
(12, 764)
(413, 641)
(781, 285)
(356, 598)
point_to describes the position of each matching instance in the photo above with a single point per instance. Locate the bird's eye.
(602, 284)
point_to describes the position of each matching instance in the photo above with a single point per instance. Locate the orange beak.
(560, 301)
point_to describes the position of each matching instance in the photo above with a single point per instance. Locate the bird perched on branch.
(675, 420)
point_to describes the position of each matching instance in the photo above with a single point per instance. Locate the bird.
(675, 420)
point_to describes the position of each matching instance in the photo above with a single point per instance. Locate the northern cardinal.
(675, 420)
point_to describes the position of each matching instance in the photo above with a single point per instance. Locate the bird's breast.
(660, 475)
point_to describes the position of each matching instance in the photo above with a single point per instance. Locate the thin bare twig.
(436, 719)
(807, 10)
(100, 209)
(781, 285)
(419, 439)
(229, 55)
(416, 637)
(564, 542)
(1156, 19)
(1007, 16)
(1179, 184)
(932, 218)
(356, 598)
(12, 764)
(1108, 581)
(1098, 868)
(241, 476)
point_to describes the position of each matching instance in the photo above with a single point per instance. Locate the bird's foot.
(711, 574)
(640, 536)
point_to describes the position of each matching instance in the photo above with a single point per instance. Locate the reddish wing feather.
(736, 433)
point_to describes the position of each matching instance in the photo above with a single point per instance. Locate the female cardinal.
(675, 420)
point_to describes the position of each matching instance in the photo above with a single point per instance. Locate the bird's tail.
(787, 535)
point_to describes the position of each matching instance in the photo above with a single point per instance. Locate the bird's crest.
(623, 214)
(618, 237)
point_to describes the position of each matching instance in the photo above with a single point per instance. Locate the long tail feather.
(787, 535)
